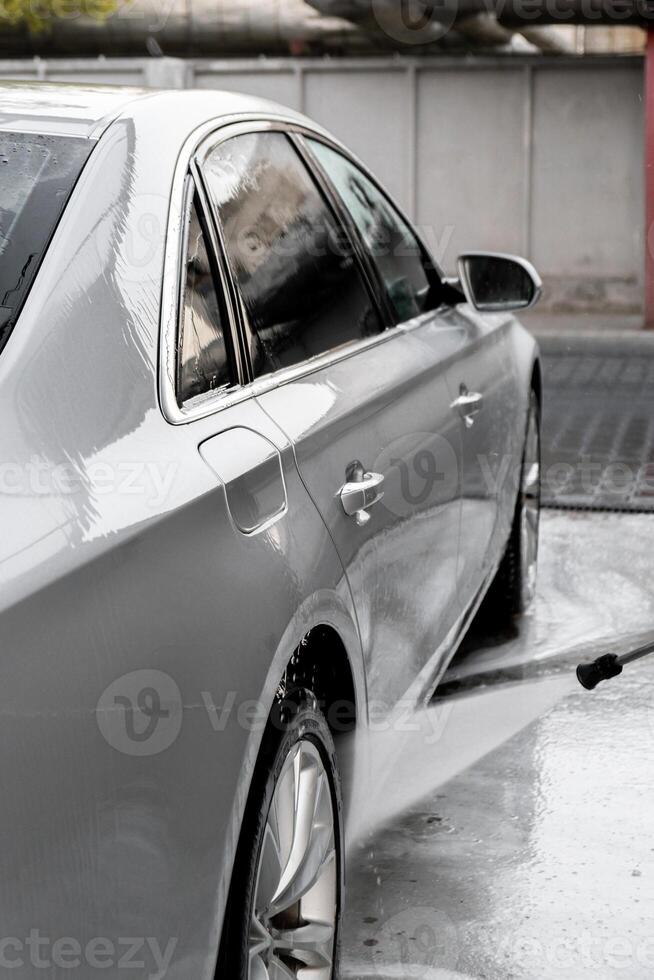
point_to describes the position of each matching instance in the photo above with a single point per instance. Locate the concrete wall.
(538, 156)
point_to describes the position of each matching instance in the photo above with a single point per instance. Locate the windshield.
(37, 174)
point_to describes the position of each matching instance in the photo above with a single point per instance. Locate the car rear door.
(376, 441)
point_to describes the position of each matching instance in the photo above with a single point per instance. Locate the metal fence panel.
(369, 111)
(587, 197)
(280, 86)
(471, 159)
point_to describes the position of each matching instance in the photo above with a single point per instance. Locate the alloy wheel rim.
(530, 511)
(293, 920)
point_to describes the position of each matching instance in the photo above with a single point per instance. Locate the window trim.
(193, 197)
(369, 277)
(366, 262)
(190, 160)
(351, 158)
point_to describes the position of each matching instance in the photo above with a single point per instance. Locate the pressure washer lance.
(610, 665)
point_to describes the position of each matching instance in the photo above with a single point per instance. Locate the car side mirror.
(492, 282)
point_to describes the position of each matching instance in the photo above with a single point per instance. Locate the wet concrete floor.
(525, 848)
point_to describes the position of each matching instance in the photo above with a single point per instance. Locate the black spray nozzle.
(590, 675)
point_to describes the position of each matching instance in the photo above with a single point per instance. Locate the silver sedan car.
(260, 464)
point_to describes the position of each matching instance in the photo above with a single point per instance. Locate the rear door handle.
(357, 496)
(468, 404)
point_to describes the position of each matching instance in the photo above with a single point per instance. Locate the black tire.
(512, 590)
(296, 719)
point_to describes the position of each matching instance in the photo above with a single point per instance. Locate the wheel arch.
(320, 663)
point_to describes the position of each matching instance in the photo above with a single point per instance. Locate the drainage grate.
(598, 422)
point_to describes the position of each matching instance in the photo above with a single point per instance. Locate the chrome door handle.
(468, 404)
(357, 496)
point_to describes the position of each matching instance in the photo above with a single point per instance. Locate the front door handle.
(468, 404)
(358, 495)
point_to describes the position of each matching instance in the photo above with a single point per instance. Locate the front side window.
(37, 174)
(403, 267)
(203, 357)
(302, 288)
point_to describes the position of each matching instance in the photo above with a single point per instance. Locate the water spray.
(609, 665)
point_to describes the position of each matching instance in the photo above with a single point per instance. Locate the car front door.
(376, 441)
(487, 401)
(459, 344)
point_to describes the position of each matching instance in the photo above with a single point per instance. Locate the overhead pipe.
(181, 28)
(403, 24)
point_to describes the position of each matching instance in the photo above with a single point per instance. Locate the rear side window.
(302, 288)
(203, 358)
(403, 266)
(37, 174)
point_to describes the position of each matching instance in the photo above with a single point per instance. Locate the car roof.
(87, 110)
(71, 110)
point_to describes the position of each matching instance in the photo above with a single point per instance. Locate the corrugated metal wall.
(538, 156)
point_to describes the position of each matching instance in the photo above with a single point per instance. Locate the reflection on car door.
(369, 402)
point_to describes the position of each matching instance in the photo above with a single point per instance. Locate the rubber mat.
(598, 421)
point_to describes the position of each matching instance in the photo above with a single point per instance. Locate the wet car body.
(143, 541)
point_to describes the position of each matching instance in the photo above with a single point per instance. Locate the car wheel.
(284, 905)
(514, 586)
